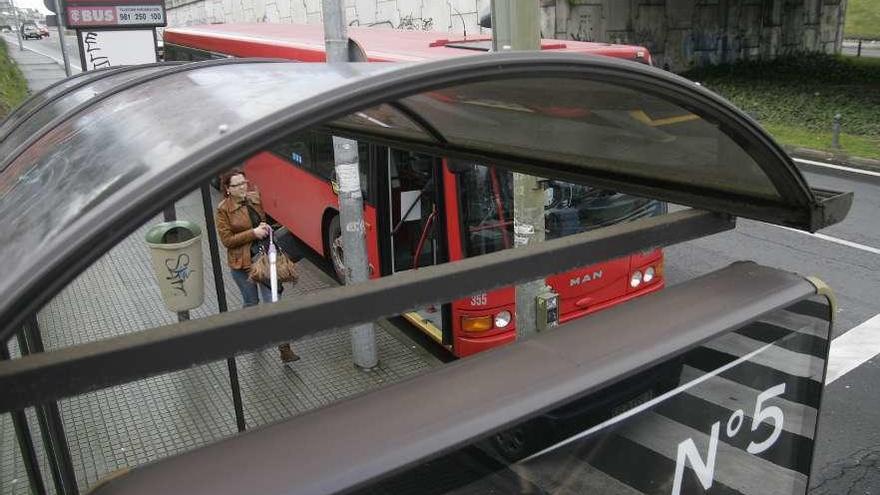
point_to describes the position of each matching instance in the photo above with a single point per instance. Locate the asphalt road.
(848, 451)
(869, 49)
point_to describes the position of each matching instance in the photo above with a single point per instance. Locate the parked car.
(6, 28)
(44, 31)
(29, 31)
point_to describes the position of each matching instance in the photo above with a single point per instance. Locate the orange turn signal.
(476, 323)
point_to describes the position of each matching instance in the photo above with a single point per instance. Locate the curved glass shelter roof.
(36, 100)
(20, 135)
(104, 165)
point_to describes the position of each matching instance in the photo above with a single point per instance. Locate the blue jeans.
(250, 290)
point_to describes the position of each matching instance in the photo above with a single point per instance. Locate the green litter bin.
(176, 253)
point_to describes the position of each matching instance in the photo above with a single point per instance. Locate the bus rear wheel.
(334, 249)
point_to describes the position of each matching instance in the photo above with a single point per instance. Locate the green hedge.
(13, 87)
(804, 91)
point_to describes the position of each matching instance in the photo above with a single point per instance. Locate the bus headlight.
(502, 319)
(649, 274)
(635, 279)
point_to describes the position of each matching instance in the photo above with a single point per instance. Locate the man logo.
(584, 279)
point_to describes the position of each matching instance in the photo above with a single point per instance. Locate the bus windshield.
(486, 202)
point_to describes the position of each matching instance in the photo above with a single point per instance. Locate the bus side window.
(296, 150)
(185, 54)
(325, 161)
(363, 168)
(197, 55)
(176, 53)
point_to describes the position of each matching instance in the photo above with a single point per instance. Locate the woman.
(241, 224)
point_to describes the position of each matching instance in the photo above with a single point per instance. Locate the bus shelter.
(89, 160)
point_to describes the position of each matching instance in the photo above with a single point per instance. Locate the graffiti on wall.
(407, 15)
(407, 23)
(410, 23)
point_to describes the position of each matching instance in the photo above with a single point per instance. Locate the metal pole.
(220, 288)
(351, 204)
(17, 25)
(515, 26)
(859, 49)
(335, 32)
(25, 441)
(835, 132)
(59, 15)
(51, 424)
(48, 444)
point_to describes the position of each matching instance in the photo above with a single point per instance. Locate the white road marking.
(828, 238)
(862, 343)
(839, 167)
(854, 348)
(835, 240)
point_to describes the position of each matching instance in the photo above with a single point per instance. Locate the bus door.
(414, 226)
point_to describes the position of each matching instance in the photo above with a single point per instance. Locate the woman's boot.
(287, 354)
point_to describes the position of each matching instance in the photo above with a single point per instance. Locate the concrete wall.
(456, 16)
(679, 33)
(685, 33)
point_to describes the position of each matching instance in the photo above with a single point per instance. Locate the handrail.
(78, 369)
(409, 425)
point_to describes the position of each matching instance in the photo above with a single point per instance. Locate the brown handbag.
(259, 272)
(284, 266)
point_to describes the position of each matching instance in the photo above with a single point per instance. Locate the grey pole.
(60, 16)
(351, 203)
(835, 131)
(515, 26)
(17, 25)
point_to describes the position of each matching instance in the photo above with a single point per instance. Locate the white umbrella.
(273, 270)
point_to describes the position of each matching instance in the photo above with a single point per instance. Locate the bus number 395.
(705, 470)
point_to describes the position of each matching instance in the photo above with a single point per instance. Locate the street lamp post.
(515, 26)
(59, 17)
(17, 24)
(351, 206)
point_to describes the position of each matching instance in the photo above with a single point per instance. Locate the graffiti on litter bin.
(178, 272)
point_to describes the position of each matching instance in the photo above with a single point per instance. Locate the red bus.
(422, 210)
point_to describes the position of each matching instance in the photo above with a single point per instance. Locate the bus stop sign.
(118, 13)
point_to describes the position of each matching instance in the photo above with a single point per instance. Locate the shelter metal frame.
(799, 207)
(83, 368)
(43, 377)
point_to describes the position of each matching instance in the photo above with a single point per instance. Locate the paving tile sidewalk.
(154, 418)
(39, 71)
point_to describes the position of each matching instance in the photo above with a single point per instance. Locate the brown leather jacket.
(236, 231)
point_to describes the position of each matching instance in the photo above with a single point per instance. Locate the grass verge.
(796, 98)
(862, 19)
(13, 87)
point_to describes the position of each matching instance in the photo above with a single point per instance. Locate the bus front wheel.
(334, 249)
